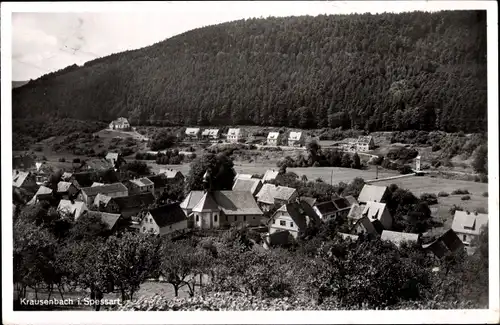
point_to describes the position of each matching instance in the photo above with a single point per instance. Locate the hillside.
(415, 70)
(16, 84)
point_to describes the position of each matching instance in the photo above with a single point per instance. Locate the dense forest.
(422, 71)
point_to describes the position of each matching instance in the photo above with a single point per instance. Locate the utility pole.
(376, 169)
(331, 178)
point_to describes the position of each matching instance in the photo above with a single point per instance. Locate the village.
(277, 213)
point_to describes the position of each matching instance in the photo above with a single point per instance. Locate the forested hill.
(379, 72)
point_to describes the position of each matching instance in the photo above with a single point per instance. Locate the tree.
(346, 160)
(162, 140)
(480, 163)
(354, 188)
(221, 172)
(131, 259)
(89, 227)
(135, 169)
(356, 162)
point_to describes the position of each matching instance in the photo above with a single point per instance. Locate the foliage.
(89, 227)
(429, 198)
(135, 169)
(460, 191)
(221, 172)
(480, 163)
(428, 77)
(402, 153)
(164, 139)
(443, 194)
(485, 194)
(170, 157)
(405, 169)
(465, 198)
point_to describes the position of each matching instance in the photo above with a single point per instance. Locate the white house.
(120, 123)
(270, 175)
(164, 220)
(293, 217)
(296, 139)
(271, 194)
(467, 225)
(212, 134)
(192, 133)
(378, 211)
(273, 139)
(252, 185)
(73, 208)
(234, 135)
(365, 143)
(141, 185)
(191, 201)
(373, 193)
(112, 157)
(399, 237)
(88, 194)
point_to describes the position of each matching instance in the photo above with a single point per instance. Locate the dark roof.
(310, 200)
(159, 181)
(104, 189)
(341, 203)
(237, 203)
(108, 218)
(167, 214)
(299, 211)
(326, 207)
(134, 201)
(85, 179)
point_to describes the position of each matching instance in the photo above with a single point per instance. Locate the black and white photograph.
(313, 156)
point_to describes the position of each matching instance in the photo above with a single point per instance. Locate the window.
(291, 224)
(197, 218)
(151, 220)
(465, 237)
(215, 218)
(244, 218)
(283, 223)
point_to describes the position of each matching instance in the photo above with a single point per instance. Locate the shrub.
(76, 160)
(429, 198)
(485, 194)
(481, 210)
(443, 194)
(465, 198)
(62, 159)
(436, 147)
(455, 208)
(460, 191)
(405, 169)
(319, 180)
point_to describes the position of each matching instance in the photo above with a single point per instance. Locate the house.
(98, 165)
(309, 200)
(378, 211)
(88, 194)
(120, 123)
(273, 139)
(365, 143)
(66, 176)
(336, 208)
(352, 200)
(96, 184)
(112, 220)
(223, 208)
(398, 238)
(127, 206)
(212, 134)
(364, 225)
(252, 185)
(87, 178)
(192, 133)
(141, 185)
(467, 225)
(43, 193)
(26, 180)
(296, 139)
(190, 201)
(74, 208)
(113, 158)
(349, 146)
(270, 175)
(164, 220)
(444, 244)
(243, 176)
(101, 203)
(293, 217)
(271, 194)
(172, 175)
(373, 193)
(160, 184)
(66, 190)
(235, 135)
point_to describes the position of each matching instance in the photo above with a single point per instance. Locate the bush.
(485, 194)
(429, 198)
(77, 160)
(62, 159)
(405, 169)
(460, 191)
(443, 194)
(436, 147)
(465, 198)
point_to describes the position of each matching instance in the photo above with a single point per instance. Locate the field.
(418, 185)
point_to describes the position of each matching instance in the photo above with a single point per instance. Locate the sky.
(47, 41)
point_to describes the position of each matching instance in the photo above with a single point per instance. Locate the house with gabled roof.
(212, 134)
(140, 185)
(270, 195)
(399, 238)
(172, 175)
(467, 225)
(66, 190)
(336, 208)
(234, 135)
(378, 211)
(88, 194)
(270, 175)
(364, 225)
(273, 139)
(446, 243)
(26, 180)
(66, 176)
(113, 158)
(252, 185)
(293, 217)
(128, 206)
(43, 193)
(373, 193)
(365, 143)
(120, 123)
(72, 208)
(192, 133)
(242, 176)
(296, 139)
(309, 200)
(164, 220)
(112, 220)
